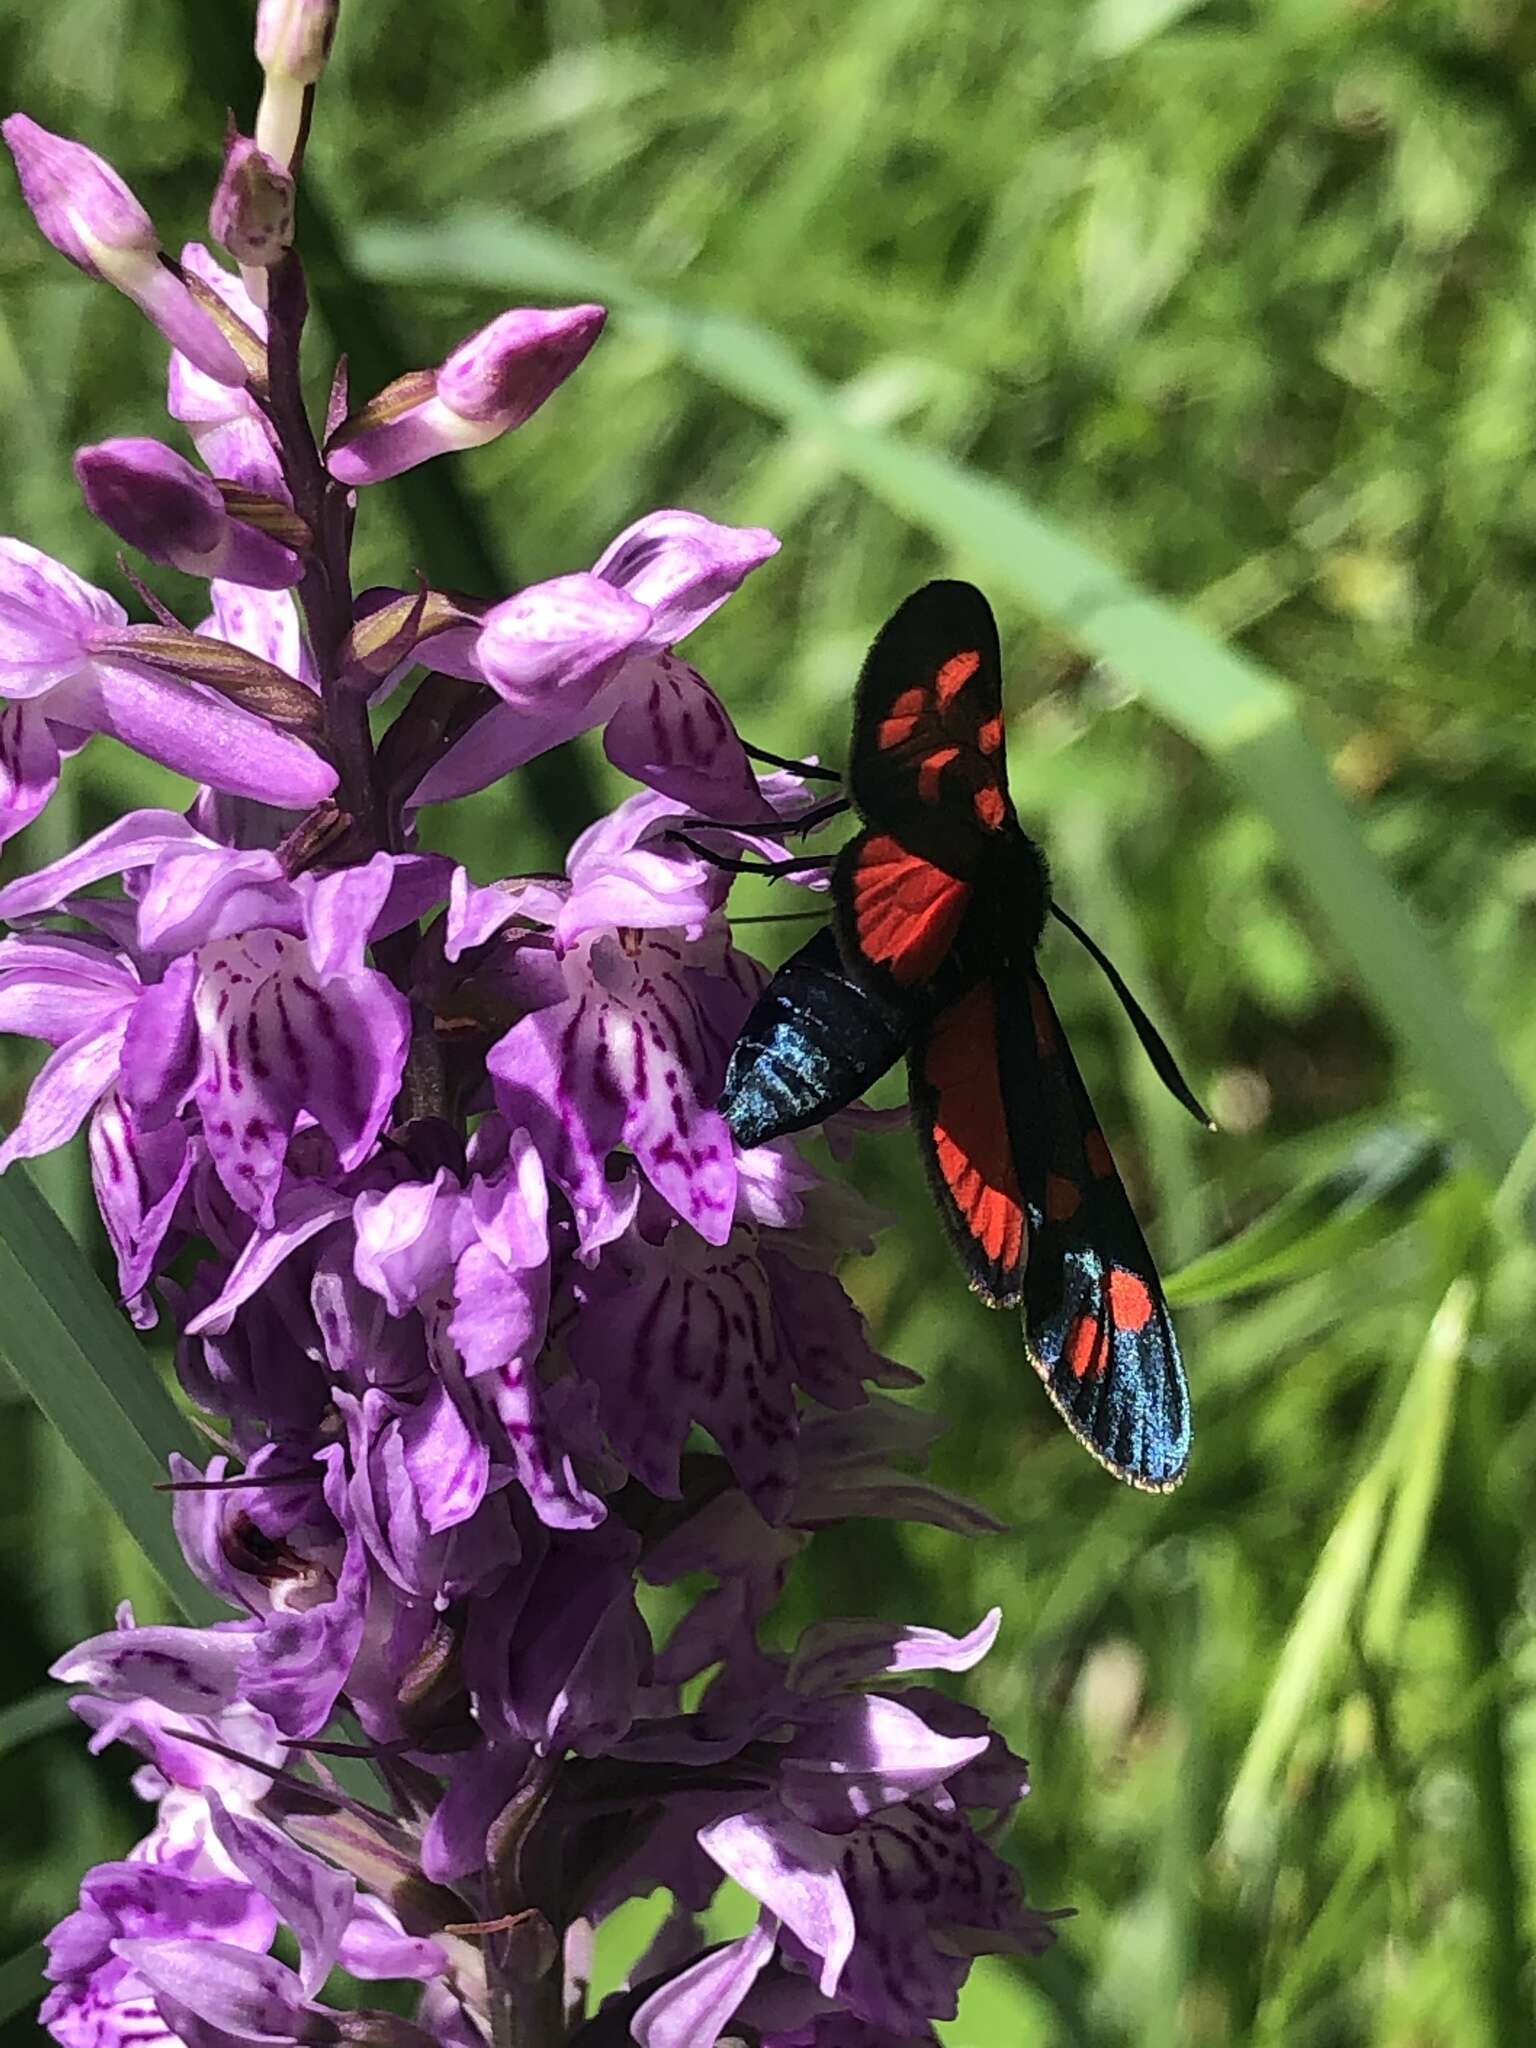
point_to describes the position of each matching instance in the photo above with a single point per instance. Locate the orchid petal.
(682, 567)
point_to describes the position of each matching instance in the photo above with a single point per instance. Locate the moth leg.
(735, 865)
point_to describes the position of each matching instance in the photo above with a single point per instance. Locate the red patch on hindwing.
(1130, 1299)
(1063, 1198)
(1087, 1352)
(904, 911)
(960, 1096)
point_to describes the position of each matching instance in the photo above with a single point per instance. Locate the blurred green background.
(1240, 297)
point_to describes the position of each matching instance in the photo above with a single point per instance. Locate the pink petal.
(693, 2009)
(794, 1872)
(313, 1900)
(29, 766)
(66, 1091)
(132, 841)
(683, 567)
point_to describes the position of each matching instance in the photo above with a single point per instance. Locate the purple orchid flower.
(67, 671)
(155, 500)
(597, 650)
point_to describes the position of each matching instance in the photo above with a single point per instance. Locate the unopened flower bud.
(293, 37)
(155, 500)
(88, 213)
(293, 41)
(252, 210)
(491, 383)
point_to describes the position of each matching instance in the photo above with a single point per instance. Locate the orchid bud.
(252, 210)
(293, 41)
(491, 383)
(155, 500)
(293, 38)
(83, 207)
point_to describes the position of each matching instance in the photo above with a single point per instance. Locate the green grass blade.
(1372, 1191)
(1237, 711)
(1404, 1475)
(41, 1713)
(22, 1983)
(1313, 1644)
(1435, 1379)
(68, 1345)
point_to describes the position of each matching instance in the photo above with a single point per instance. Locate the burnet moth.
(939, 905)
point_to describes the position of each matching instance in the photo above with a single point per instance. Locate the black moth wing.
(928, 765)
(1096, 1322)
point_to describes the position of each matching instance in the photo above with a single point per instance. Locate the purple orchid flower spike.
(500, 1329)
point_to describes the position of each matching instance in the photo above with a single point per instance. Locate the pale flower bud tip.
(252, 210)
(293, 37)
(503, 374)
(79, 202)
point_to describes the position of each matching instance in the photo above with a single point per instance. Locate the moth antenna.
(1164, 1064)
(811, 770)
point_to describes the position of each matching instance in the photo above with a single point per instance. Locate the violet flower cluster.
(498, 1326)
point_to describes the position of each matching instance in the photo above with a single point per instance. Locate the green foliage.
(1113, 306)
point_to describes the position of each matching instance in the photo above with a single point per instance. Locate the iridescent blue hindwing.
(1096, 1323)
(814, 1041)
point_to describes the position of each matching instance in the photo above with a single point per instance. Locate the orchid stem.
(326, 591)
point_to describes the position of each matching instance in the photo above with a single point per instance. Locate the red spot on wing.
(1130, 1299)
(901, 720)
(990, 806)
(931, 773)
(894, 732)
(1086, 1350)
(905, 911)
(970, 1131)
(1063, 1197)
(954, 675)
(989, 737)
(1100, 1163)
